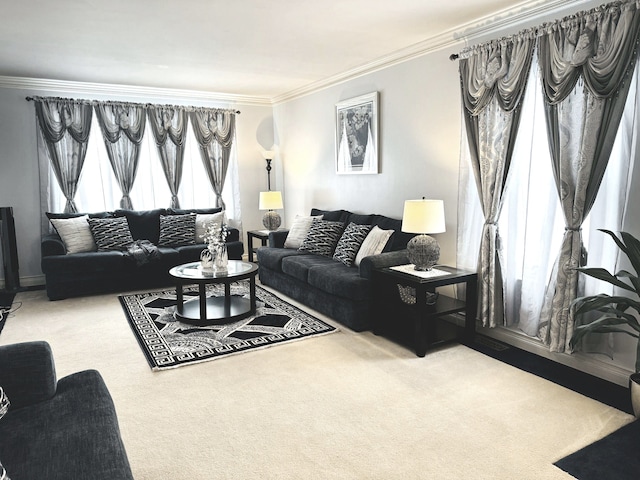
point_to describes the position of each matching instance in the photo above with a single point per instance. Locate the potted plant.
(617, 313)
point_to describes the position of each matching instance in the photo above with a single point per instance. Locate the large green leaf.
(596, 302)
(605, 324)
(633, 249)
(605, 276)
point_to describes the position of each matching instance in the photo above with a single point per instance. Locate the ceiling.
(256, 48)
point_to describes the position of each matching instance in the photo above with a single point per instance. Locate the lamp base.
(271, 220)
(423, 251)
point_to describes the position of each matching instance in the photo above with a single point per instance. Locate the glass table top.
(194, 270)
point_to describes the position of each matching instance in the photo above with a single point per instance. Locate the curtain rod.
(237, 112)
(454, 56)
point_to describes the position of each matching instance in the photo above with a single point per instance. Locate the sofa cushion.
(87, 262)
(143, 224)
(298, 266)
(75, 233)
(339, 280)
(176, 230)
(110, 233)
(322, 237)
(331, 215)
(350, 243)
(271, 257)
(360, 219)
(399, 239)
(183, 211)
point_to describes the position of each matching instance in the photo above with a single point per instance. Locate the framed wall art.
(357, 135)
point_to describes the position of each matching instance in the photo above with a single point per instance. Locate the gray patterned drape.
(168, 122)
(122, 126)
(65, 125)
(214, 130)
(493, 80)
(586, 61)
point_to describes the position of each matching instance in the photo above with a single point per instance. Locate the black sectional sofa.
(74, 274)
(344, 293)
(57, 429)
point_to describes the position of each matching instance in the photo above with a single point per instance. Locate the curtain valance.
(496, 69)
(599, 45)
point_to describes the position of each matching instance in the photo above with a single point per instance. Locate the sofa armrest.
(233, 235)
(27, 373)
(52, 244)
(382, 260)
(277, 238)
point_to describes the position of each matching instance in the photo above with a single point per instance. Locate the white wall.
(419, 136)
(19, 176)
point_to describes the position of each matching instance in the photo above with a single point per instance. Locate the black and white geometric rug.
(168, 343)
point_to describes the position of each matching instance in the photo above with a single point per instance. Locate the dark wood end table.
(402, 294)
(205, 310)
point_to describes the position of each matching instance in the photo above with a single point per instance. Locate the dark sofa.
(85, 273)
(63, 429)
(343, 293)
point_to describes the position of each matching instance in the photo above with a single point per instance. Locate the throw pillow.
(110, 233)
(4, 403)
(205, 219)
(350, 243)
(3, 473)
(322, 237)
(177, 230)
(373, 244)
(75, 234)
(298, 231)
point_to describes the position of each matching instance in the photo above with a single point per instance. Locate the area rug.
(614, 457)
(168, 343)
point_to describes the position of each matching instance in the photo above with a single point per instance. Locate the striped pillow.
(110, 233)
(75, 234)
(350, 243)
(177, 230)
(4, 403)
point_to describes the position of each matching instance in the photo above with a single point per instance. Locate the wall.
(19, 176)
(419, 135)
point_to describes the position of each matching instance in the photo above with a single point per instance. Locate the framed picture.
(357, 135)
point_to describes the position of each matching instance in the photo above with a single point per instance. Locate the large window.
(531, 225)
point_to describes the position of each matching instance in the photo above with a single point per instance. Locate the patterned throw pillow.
(4, 403)
(75, 233)
(322, 237)
(3, 473)
(298, 231)
(373, 244)
(203, 220)
(350, 243)
(177, 230)
(110, 233)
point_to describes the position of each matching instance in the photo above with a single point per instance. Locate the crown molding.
(86, 88)
(494, 24)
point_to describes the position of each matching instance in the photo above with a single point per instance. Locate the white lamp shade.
(270, 201)
(423, 216)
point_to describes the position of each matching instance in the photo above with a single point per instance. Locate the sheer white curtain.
(98, 189)
(531, 223)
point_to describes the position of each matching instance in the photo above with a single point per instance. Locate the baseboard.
(579, 361)
(31, 281)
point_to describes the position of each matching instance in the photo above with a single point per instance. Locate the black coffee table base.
(218, 310)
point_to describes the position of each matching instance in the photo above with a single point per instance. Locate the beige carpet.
(342, 406)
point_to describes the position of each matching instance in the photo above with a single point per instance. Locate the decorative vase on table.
(214, 259)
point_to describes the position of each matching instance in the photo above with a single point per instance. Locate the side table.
(262, 235)
(400, 295)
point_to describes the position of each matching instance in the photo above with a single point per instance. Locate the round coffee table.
(205, 310)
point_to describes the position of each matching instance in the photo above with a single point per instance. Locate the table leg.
(202, 289)
(252, 294)
(179, 299)
(471, 310)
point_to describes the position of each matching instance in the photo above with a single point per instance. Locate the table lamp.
(271, 201)
(423, 217)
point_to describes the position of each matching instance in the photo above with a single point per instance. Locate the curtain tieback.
(569, 229)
